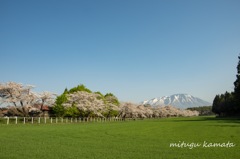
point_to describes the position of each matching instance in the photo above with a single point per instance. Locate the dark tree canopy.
(228, 104)
(237, 84)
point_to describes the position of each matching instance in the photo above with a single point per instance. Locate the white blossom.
(86, 102)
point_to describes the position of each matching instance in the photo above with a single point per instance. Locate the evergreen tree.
(228, 104)
(237, 89)
(65, 91)
(216, 105)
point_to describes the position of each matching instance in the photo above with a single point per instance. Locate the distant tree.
(203, 110)
(101, 96)
(72, 111)
(130, 110)
(46, 98)
(110, 110)
(215, 106)
(23, 98)
(65, 91)
(110, 98)
(87, 103)
(237, 89)
(80, 101)
(79, 88)
(228, 104)
(144, 112)
(58, 108)
(16, 93)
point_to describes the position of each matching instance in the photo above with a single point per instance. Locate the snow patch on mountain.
(182, 101)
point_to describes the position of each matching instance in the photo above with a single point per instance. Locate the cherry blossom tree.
(130, 110)
(87, 103)
(110, 110)
(46, 98)
(16, 94)
(20, 98)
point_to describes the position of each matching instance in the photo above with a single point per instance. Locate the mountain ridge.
(181, 100)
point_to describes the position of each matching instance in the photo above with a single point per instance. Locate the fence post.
(24, 120)
(45, 120)
(56, 120)
(39, 120)
(32, 120)
(16, 119)
(62, 119)
(51, 120)
(7, 120)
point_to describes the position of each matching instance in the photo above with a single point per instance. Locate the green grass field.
(130, 139)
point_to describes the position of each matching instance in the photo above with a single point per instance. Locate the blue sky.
(136, 49)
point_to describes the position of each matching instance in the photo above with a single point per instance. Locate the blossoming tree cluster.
(77, 102)
(130, 110)
(22, 101)
(82, 102)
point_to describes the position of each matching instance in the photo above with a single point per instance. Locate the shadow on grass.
(225, 125)
(210, 118)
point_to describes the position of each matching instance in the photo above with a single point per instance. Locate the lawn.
(123, 139)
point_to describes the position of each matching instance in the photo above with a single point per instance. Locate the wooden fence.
(56, 120)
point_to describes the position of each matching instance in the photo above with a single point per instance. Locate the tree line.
(203, 110)
(82, 102)
(78, 102)
(228, 104)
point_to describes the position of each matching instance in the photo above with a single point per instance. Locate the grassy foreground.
(131, 139)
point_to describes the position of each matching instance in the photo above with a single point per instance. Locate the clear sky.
(136, 49)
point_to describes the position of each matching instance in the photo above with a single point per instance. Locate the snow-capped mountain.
(178, 100)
